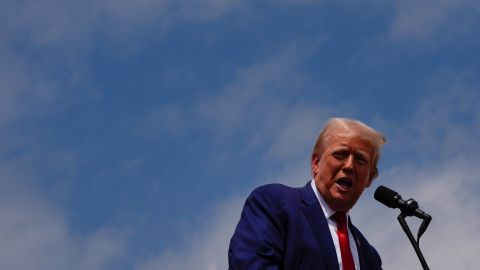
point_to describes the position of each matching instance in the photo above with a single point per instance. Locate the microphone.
(408, 208)
(392, 199)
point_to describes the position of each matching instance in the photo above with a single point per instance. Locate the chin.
(341, 205)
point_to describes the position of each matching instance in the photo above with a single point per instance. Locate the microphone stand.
(408, 211)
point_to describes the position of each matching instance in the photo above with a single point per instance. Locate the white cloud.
(428, 21)
(35, 234)
(252, 94)
(205, 248)
(170, 119)
(446, 123)
(448, 191)
(23, 89)
(258, 104)
(207, 10)
(296, 132)
(75, 24)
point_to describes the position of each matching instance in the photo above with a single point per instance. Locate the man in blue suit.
(284, 228)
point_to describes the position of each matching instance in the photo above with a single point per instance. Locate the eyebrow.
(345, 147)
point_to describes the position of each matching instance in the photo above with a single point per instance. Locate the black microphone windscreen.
(386, 196)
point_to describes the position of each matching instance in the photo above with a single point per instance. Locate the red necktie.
(342, 233)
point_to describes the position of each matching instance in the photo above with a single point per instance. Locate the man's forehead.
(352, 143)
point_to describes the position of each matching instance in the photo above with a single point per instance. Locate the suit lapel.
(360, 249)
(314, 214)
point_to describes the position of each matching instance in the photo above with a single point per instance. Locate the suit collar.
(316, 218)
(327, 211)
(358, 242)
(361, 242)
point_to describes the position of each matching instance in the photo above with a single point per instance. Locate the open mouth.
(345, 182)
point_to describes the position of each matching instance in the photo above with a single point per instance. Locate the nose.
(348, 165)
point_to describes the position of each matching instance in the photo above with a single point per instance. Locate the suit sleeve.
(259, 239)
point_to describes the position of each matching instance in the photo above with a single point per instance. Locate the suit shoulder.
(275, 190)
(276, 194)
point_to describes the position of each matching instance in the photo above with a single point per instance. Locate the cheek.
(366, 178)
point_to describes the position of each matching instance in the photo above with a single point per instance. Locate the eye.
(340, 154)
(361, 159)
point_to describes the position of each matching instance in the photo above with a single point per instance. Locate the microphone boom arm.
(423, 227)
(408, 208)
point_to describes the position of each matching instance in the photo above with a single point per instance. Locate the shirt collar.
(327, 211)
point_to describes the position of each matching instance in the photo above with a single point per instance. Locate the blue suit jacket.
(285, 228)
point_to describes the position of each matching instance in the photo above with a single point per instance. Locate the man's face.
(343, 171)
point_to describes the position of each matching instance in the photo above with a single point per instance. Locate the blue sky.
(132, 132)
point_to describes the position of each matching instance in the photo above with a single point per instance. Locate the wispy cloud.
(167, 120)
(447, 190)
(434, 21)
(446, 123)
(257, 104)
(35, 234)
(205, 248)
(253, 108)
(252, 94)
(24, 88)
(73, 23)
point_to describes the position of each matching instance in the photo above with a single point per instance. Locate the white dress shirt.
(332, 225)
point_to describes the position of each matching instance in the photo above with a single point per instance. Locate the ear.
(369, 182)
(372, 176)
(314, 163)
